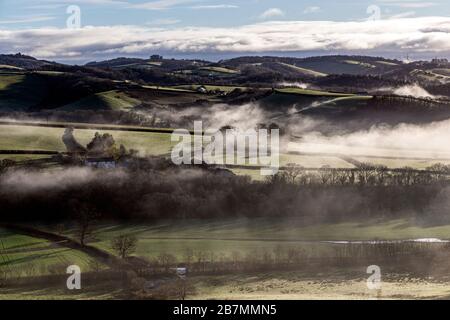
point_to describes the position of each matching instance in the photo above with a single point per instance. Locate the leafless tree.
(85, 215)
(292, 172)
(124, 245)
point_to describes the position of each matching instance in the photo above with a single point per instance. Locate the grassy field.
(212, 88)
(21, 137)
(401, 163)
(310, 92)
(304, 71)
(23, 157)
(27, 256)
(42, 138)
(109, 100)
(224, 237)
(331, 284)
(98, 291)
(7, 79)
(169, 89)
(12, 88)
(220, 70)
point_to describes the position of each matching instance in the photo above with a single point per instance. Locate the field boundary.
(87, 126)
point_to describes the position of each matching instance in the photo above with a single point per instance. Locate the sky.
(77, 31)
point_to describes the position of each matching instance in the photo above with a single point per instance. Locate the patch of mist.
(243, 117)
(24, 181)
(430, 140)
(413, 90)
(300, 85)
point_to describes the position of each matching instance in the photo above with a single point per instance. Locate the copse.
(183, 193)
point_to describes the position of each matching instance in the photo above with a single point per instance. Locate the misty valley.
(356, 206)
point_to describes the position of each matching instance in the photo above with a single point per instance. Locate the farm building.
(101, 163)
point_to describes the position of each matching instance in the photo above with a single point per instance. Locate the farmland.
(223, 237)
(111, 100)
(48, 138)
(291, 285)
(309, 232)
(328, 285)
(41, 138)
(24, 256)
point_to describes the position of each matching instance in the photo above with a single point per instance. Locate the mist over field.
(428, 140)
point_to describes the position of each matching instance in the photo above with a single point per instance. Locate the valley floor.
(264, 286)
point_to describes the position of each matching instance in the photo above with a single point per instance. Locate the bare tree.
(85, 215)
(124, 245)
(166, 260)
(292, 172)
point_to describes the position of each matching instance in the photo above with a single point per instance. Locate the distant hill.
(23, 61)
(321, 65)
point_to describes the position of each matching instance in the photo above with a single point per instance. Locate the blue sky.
(221, 28)
(16, 14)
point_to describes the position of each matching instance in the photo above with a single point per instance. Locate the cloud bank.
(393, 36)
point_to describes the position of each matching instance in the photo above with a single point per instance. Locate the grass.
(359, 63)
(313, 161)
(169, 89)
(223, 237)
(42, 138)
(305, 71)
(109, 100)
(327, 283)
(213, 88)
(23, 157)
(20, 253)
(8, 67)
(310, 92)
(331, 284)
(6, 80)
(220, 70)
(391, 64)
(401, 163)
(13, 86)
(95, 291)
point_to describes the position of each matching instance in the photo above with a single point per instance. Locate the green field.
(225, 237)
(304, 71)
(109, 100)
(169, 89)
(213, 88)
(22, 137)
(19, 137)
(22, 255)
(220, 70)
(310, 92)
(12, 88)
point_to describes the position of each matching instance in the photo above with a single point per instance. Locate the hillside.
(23, 61)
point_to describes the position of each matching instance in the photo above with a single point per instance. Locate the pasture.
(245, 236)
(24, 256)
(18, 137)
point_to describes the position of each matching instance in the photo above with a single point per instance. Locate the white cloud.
(161, 4)
(217, 6)
(395, 36)
(163, 22)
(402, 15)
(271, 13)
(313, 9)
